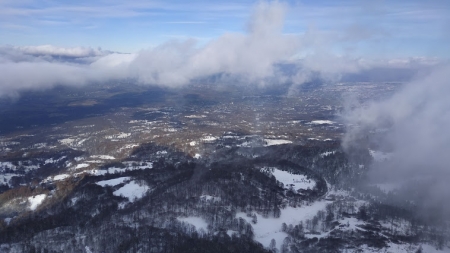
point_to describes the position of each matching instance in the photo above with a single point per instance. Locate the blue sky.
(366, 28)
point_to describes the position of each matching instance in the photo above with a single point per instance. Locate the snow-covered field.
(133, 191)
(297, 182)
(271, 142)
(112, 182)
(352, 224)
(267, 229)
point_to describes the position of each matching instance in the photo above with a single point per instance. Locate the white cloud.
(61, 51)
(417, 118)
(38, 75)
(253, 57)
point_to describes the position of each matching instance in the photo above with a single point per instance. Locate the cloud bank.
(254, 57)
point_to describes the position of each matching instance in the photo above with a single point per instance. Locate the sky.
(368, 28)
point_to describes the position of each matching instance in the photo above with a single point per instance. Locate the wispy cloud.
(49, 50)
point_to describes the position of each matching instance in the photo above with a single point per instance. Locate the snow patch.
(321, 122)
(113, 170)
(5, 178)
(195, 116)
(133, 191)
(351, 224)
(210, 198)
(7, 165)
(230, 233)
(116, 137)
(327, 153)
(51, 160)
(271, 142)
(230, 137)
(60, 177)
(113, 182)
(66, 141)
(104, 157)
(209, 139)
(267, 229)
(95, 161)
(130, 146)
(81, 165)
(35, 201)
(79, 158)
(88, 250)
(197, 222)
(7, 220)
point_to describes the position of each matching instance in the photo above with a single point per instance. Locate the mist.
(412, 126)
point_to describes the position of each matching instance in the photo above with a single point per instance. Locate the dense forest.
(231, 191)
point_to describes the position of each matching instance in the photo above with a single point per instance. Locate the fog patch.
(412, 126)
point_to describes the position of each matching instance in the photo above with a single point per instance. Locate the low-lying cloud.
(49, 50)
(254, 57)
(415, 125)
